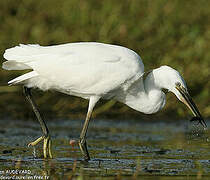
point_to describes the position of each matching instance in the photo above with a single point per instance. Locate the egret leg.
(82, 140)
(45, 137)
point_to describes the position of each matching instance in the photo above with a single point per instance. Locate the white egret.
(93, 71)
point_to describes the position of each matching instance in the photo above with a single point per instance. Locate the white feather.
(23, 78)
(13, 65)
(74, 66)
(93, 70)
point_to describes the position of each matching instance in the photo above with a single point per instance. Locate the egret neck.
(145, 95)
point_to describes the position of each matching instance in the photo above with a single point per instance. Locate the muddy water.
(119, 150)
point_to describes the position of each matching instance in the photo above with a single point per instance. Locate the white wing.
(87, 68)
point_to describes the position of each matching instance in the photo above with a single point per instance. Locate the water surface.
(120, 149)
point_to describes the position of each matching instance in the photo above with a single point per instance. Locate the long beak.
(187, 100)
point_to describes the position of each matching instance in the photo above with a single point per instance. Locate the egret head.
(170, 79)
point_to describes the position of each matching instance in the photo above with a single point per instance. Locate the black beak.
(187, 100)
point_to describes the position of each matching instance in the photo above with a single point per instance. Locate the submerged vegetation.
(176, 33)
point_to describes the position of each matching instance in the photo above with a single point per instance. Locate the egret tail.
(18, 58)
(23, 78)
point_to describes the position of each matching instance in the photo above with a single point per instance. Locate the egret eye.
(178, 84)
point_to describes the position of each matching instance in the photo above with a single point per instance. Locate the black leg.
(46, 136)
(82, 140)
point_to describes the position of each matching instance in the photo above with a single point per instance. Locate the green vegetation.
(176, 33)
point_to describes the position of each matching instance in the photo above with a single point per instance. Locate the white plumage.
(95, 70)
(89, 69)
(77, 68)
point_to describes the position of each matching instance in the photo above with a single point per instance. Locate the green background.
(174, 33)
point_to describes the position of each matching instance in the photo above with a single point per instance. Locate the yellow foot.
(46, 145)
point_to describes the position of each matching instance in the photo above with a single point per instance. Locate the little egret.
(93, 71)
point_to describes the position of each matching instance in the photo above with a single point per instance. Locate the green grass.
(175, 33)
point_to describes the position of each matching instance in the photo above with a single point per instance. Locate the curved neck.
(145, 96)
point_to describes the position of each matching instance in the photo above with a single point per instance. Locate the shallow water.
(119, 150)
